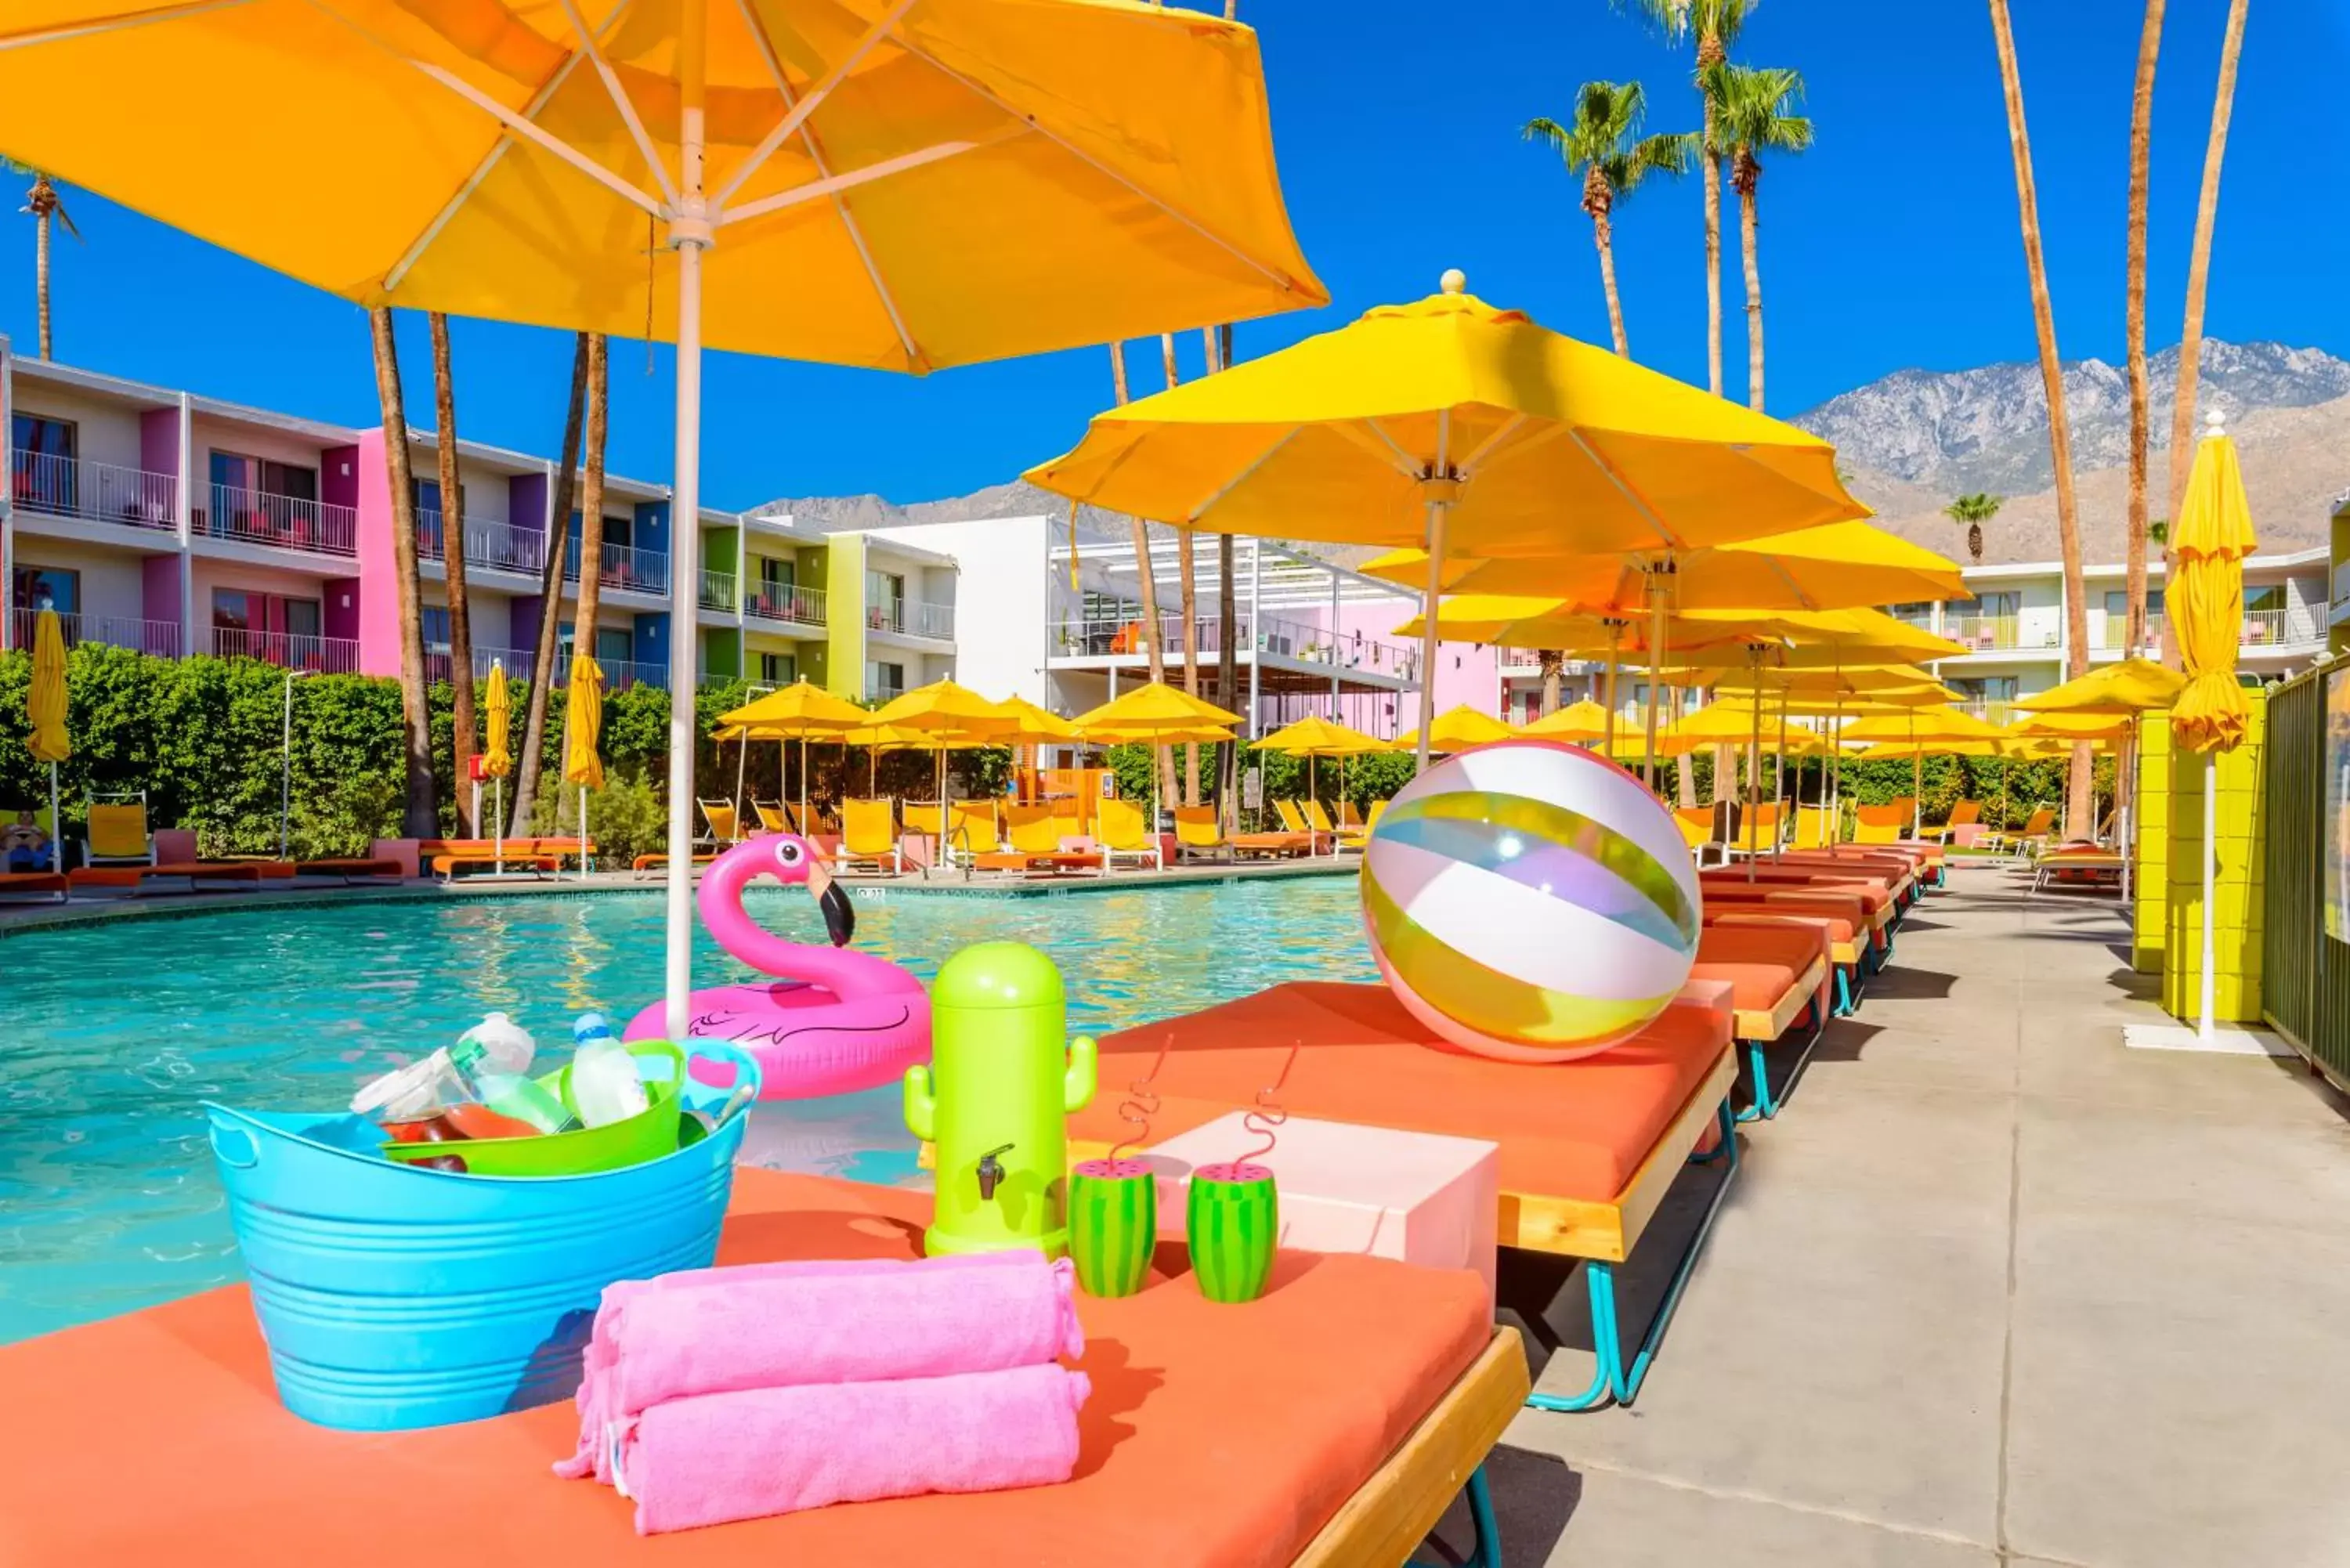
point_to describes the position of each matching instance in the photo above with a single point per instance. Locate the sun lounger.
(1374, 1391)
(1759, 827)
(657, 862)
(775, 816)
(1857, 939)
(119, 834)
(448, 857)
(1199, 836)
(869, 838)
(1967, 813)
(1318, 819)
(721, 824)
(353, 870)
(32, 884)
(1035, 847)
(1587, 1148)
(973, 830)
(2081, 863)
(1357, 837)
(1696, 823)
(1123, 835)
(1778, 977)
(2037, 829)
(1293, 820)
(195, 873)
(1815, 827)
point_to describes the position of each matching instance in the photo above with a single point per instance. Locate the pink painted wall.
(378, 618)
(1465, 673)
(158, 595)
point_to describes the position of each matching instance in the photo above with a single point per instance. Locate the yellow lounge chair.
(1294, 819)
(1758, 828)
(721, 824)
(1696, 823)
(868, 837)
(1124, 836)
(1361, 835)
(118, 833)
(1966, 814)
(1319, 819)
(972, 829)
(1035, 840)
(775, 816)
(1815, 827)
(1909, 806)
(1350, 817)
(1199, 836)
(1888, 823)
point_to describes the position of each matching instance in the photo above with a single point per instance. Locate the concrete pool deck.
(88, 908)
(1991, 1290)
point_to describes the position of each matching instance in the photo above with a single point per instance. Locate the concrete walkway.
(1991, 1290)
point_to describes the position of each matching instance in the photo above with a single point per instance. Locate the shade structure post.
(2125, 793)
(56, 827)
(1438, 493)
(690, 235)
(498, 849)
(2207, 1000)
(1779, 778)
(285, 781)
(1614, 656)
(1753, 755)
(583, 839)
(804, 765)
(742, 767)
(1655, 574)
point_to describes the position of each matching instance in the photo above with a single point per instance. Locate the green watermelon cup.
(1233, 1222)
(1113, 1225)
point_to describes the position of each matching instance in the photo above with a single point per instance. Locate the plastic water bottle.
(605, 1084)
(491, 1059)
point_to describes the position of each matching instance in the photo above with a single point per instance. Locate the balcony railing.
(289, 522)
(1990, 709)
(1983, 633)
(2116, 633)
(2279, 629)
(912, 617)
(93, 492)
(492, 545)
(618, 676)
(158, 637)
(519, 663)
(625, 567)
(781, 601)
(717, 590)
(289, 650)
(1299, 641)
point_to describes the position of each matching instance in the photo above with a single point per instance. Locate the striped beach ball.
(1530, 901)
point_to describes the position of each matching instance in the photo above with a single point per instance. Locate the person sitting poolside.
(28, 846)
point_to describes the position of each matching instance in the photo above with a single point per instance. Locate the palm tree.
(1550, 661)
(1148, 579)
(1715, 25)
(1974, 510)
(550, 596)
(1751, 111)
(2060, 434)
(2149, 47)
(591, 507)
(1188, 603)
(420, 817)
(1602, 142)
(452, 553)
(44, 203)
(2199, 261)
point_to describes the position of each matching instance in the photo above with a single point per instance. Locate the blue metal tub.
(394, 1297)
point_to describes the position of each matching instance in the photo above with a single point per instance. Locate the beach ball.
(1529, 901)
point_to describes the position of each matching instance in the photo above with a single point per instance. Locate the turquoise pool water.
(114, 1033)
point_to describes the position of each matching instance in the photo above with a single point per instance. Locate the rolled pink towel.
(772, 1326)
(761, 1452)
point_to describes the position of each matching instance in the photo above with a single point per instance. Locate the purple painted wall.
(340, 470)
(158, 593)
(343, 599)
(527, 506)
(523, 631)
(159, 452)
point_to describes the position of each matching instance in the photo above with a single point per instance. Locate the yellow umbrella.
(799, 711)
(952, 717)
(2205, 605)
(1453, 426)
(2073, 726)
(1037, 726)
(582, 732)
(516, 161)
(497, 757)
(1459, 727)
(1579, 723)
(1315, 736)
(1156, 706)
(45, 707)
(2127, 686)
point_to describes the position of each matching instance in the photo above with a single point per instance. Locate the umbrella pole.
(1436, 511)
(583, 836)
(1656, 663)
(1779, 776)
(2208, 998)
(499, 827)
(1753, 758)
(1836, 773)
(742, 769)
(1615, 652)
(56, 827)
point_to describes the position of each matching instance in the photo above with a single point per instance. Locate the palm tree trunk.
(1711, 53)
(1746, 245)
(1148, 581)
(2077, 807)
(41, 211)
(420, 818)
(452, 552)
(591, 508)
(2149, 47)
(1188, 599)
(550, 596)
(1550, 661)
(2199, 261)
(1603, 235)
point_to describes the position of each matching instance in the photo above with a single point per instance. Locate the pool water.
(115, 1034)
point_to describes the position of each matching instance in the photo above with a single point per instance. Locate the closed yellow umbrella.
(1455, 427)
(2126, 686)
(583, 733)
(45, 707)
(497, 757)
(940, 183)
(2204, 604)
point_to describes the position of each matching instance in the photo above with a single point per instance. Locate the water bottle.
(491, 1059)
(603, 1081)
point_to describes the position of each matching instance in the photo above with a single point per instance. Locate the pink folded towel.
(772, 1326)
(761, 1452)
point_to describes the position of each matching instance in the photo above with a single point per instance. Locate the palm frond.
(1754, 109)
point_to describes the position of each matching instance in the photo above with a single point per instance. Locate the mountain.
(1911, 441)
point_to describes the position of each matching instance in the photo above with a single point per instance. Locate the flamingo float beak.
(840, 917)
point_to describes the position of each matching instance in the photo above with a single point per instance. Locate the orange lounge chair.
(1586, 1148)
(1376, 1387)
(1778, 982)
(28, 884)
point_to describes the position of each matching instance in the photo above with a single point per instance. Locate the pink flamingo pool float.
(836, 1019)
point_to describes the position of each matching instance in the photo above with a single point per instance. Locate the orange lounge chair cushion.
(1214, 1433)
(1574, 1129)
(353, 866)
(1874, 891)
(32, 882)
(1848, 910)
(1840, 925)
(1762, 964)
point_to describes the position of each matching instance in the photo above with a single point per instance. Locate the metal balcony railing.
(717, 590)
(519, 663)
(912, 617)
(624, 566)
(491, 545)
(289, 522)
(289, 650)
(2284, 628)
(92, 491)
(783, 602)
(1302, 641)
(1983, 633)
(1990, 709)
(158, 637)
(2116, 632)
(619, 676)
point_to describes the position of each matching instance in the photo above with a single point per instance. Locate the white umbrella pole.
(742, 767)
(690, 235)
(2126, 792)
(56, 826)
(499, 828)
(1779, 780)
(1753, 761)
(1436, 510)
(1615, 653)
(1835, 772)
(583, 839)
(1656, 664)
(2210, 876)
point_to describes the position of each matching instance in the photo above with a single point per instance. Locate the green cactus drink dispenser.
(995, 1101)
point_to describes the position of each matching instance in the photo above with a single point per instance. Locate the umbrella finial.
(2215, 422)
(1453, 281)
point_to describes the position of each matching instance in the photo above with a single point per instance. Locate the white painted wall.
(1001, 628)
(111, 581)
(105, 432)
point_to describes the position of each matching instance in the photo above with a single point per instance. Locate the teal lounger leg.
(1765, 1104)
(1844, 1002)
(1612, 1378)
(1486, 1549)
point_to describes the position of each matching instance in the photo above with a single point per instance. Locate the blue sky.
(1892, 244)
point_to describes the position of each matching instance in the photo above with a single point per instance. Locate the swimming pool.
(115, 1032)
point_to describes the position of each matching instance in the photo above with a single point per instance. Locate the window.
(436, 628)
(1997, 606)
(261, 476)
(233, 609)
(775, 574)
(301, 617)
(1918, 612)
(884, 601)
(45, 588)
(43, 466)
(778, 669)
(2267, 597)
(614, 647)
(45, 437)
(884, 679)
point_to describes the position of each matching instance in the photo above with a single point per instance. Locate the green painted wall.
(843, 590)
(722, 651)
(722, 551)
